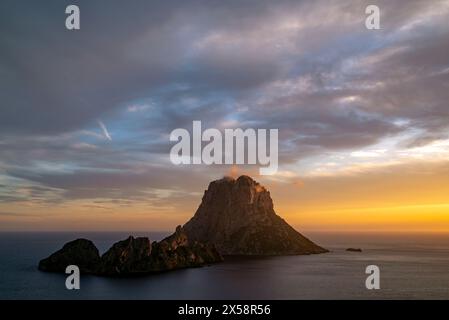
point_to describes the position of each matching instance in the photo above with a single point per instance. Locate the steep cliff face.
(237, 216)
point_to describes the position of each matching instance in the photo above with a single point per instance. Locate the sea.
(411, 266)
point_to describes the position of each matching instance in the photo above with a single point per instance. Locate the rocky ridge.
(133, 256)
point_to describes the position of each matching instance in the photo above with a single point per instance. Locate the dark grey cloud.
(57, 81)
(307, 68)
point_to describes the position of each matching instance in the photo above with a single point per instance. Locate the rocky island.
(238, 217)
(133, 256)
(354, 250)
(235, 217)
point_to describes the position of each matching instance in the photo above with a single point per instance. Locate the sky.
(86, 115)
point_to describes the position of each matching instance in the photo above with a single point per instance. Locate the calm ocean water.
(412, 267)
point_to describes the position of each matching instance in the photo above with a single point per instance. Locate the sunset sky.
(85, 116)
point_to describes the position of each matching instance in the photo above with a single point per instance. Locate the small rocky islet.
(354, 250)
(235, 217)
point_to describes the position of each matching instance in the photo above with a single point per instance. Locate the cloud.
(105, 130)
(307, 68)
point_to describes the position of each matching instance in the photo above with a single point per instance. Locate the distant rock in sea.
(354, 249)
(237, 216)
(133, 256)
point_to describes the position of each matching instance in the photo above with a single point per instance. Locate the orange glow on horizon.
(399, 200)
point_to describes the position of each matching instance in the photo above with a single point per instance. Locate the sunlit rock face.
(237, 216)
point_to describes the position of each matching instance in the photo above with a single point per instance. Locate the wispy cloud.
(105, 130)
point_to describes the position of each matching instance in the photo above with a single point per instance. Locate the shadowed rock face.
(237, 216)
(135, 256)
(80, 252)
(177, 250)
(126, 257)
